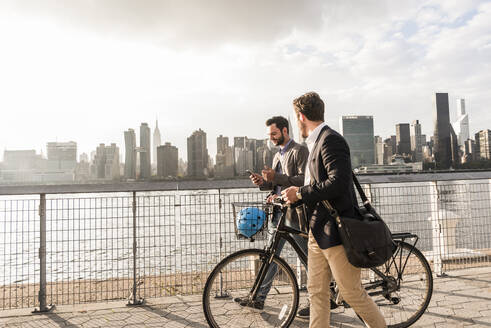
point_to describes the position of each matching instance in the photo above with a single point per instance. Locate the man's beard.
(280, 141)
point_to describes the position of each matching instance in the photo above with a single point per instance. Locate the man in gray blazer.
(287, 170)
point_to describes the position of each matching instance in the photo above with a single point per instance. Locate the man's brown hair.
(310, 105)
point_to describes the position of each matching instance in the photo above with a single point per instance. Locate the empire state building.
(156, 142)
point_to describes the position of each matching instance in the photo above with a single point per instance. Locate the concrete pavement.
(462, 299)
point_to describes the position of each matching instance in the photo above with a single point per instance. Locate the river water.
(90, 236)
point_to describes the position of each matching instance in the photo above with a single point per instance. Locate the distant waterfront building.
(245, 154)
(130, 154)
(442, 149)
(62, 155)
(477, 156)
(106, 162)
(416, 141)
(484, 143)
(461, 126)
(427, 153)
(83, 158)
(244, 160)
(167, 160)
(82, 171)
(470, 150)
(145, 152)
(222, 143)
(454, 147)
(224, 167)
(379, 150)
(197, 154)
(27, 166)
(391, 168)
(240, 142)
(358, 132)
(182, 168)
(20, 159)
(157, 141)
(403, 139)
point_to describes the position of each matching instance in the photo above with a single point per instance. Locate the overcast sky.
(88, 70)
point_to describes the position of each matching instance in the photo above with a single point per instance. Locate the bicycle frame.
(400, 267)
(284, 232)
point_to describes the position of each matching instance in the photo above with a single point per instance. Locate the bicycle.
(401, 287)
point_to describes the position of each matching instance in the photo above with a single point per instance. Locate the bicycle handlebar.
(279, 202)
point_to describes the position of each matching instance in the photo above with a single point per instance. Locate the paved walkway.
(461, 299)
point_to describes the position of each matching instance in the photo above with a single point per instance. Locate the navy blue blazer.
(330, 179)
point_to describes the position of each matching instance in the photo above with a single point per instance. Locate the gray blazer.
(293, 164)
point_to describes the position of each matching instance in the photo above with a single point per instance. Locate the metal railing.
(71, 249)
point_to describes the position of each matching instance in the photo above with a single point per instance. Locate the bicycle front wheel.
(233, 279)
(407, 288)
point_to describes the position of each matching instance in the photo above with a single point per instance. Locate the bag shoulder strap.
(366, 201)
(364, 198)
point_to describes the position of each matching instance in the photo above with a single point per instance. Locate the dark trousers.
(301, 242)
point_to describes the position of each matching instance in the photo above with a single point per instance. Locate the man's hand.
(256, 179)
(271, 198)
(290, 195)
(268, 173)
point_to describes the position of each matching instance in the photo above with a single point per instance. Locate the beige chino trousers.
(323, 264)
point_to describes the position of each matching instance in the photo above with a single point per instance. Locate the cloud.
(211, 64)
(174, 23)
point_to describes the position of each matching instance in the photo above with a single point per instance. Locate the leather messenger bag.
(366, 240)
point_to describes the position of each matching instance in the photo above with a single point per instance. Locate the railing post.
(134, 300)
(223, 294)
(43, 307)
(436, 224)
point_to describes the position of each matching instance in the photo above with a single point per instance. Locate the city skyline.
(78, 72)
(183, 152)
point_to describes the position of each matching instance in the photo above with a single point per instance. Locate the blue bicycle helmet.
(250, 220)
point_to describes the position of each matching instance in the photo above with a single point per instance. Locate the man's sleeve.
(336, 160)
(300, 157)
(266, 186)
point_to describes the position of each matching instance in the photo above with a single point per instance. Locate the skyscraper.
(416, 141)
(403, 139)
(240, 142)
(442, 149)
(62, 155)
(145, 165)
(197, 154)
(358, 132)
(224, 166)
(484, 143)
(461, 126)
(222, 144)
(379, 150)
(130, 154)
(156, 142)
(106, 162)
(167, 160)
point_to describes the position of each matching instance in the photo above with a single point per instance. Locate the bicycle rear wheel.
(234, 277)
(407, 289)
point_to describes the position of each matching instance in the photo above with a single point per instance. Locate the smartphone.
(250, 172)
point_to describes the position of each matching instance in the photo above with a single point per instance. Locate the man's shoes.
(244, 301)
(304, 313)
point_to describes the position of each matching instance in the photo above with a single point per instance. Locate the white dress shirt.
(310, 141)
